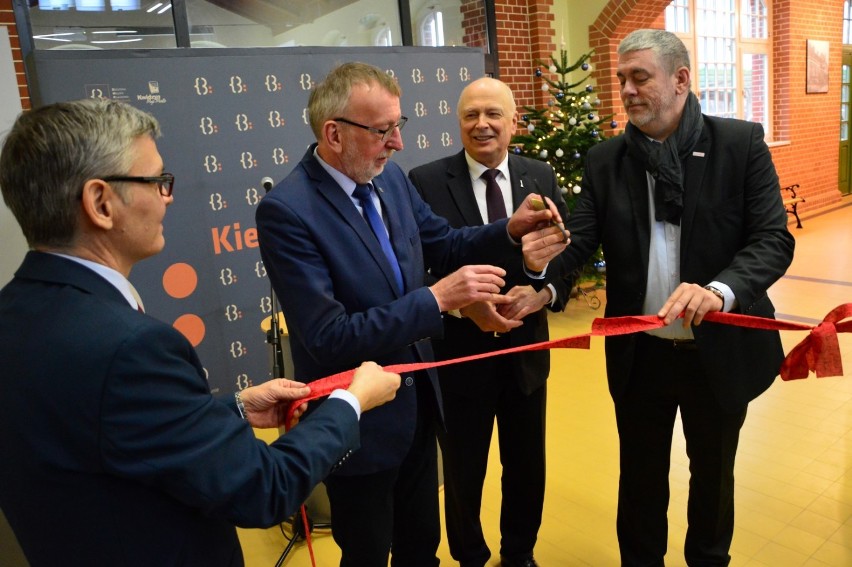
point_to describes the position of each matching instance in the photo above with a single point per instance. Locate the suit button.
(409, 381)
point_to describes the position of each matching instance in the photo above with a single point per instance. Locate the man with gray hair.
(116, 453)
(345, 238)
(688, 210)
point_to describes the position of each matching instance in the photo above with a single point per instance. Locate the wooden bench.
(791, 202)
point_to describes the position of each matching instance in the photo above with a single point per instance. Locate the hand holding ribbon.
(819, 352)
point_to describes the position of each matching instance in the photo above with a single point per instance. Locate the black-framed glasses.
(165, 182)
(385, 134)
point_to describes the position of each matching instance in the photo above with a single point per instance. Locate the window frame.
(742, 47)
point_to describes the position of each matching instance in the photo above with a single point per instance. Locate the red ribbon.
(819, 352)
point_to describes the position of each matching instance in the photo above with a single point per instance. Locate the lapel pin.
(698, 154)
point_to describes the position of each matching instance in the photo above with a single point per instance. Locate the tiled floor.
(794, 466)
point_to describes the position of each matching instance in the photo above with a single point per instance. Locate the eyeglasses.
(385, 134)
(165, 182)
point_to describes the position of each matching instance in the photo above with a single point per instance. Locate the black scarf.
(665, 161)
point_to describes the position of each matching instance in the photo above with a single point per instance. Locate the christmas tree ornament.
(563, 128)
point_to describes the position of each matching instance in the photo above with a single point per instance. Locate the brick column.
(7, 19)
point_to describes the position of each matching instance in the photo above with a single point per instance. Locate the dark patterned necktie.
(493, 196)
(362, 193)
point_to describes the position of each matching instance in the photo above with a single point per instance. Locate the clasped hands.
(476, 289)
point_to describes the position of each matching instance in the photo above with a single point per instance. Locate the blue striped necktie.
(362, 193)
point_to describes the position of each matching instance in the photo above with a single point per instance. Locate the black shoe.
(520, 562)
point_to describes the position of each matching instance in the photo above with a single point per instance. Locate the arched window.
(432, 28)
(383, 37)
(728, 41)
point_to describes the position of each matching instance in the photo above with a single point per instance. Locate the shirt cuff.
(509, 236)
(730, 299)
(349, 398)
(552, 295)
(535, 275)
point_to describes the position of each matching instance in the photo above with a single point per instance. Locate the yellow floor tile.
(794, 468)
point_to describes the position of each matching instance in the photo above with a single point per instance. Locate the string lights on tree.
(562, 132)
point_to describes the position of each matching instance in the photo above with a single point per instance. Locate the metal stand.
(298, 533)
(590, 295)
(273, 335)
(273, 338)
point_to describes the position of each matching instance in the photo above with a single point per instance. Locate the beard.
(359, 168)
(651, 110)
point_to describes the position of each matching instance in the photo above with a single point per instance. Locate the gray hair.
(52, 151)
(331, 97)
(669, 49)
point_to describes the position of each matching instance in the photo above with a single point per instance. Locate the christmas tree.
(562, 133)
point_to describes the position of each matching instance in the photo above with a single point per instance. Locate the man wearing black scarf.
(688, 210)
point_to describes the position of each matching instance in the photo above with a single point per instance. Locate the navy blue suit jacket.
(445, 184)
(114, 451)
(733, 230)
(338, 293)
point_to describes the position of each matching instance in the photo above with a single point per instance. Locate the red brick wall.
(810, 122)
(7, 18)
(474, 24)
(524, 35)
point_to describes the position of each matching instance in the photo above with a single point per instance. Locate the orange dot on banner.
(180, 280)
(192, 327)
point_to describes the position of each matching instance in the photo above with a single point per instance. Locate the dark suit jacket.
(734, 230)
(114, 451)
(445, 185)
(338, 294)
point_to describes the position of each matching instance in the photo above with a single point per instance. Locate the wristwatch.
(717, 293)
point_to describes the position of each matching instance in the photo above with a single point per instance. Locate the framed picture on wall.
(817, 66)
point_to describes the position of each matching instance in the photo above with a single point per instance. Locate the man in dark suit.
(510, 389)
(115, 452)
(354, 286)
(688, 209)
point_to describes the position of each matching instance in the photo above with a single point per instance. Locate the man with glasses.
(115, 452)
(345, 238)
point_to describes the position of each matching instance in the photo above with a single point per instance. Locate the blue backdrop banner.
(231, 117)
